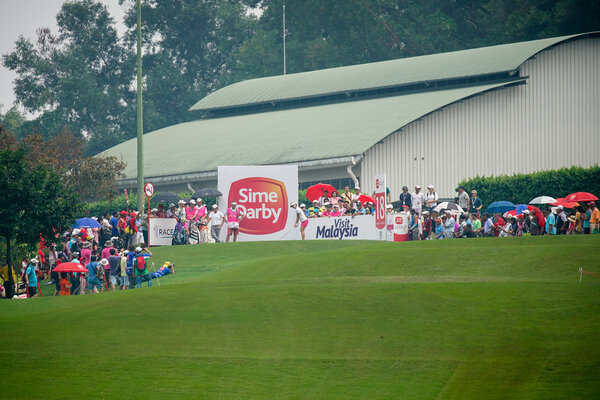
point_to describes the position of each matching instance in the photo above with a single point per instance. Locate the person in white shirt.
(324, 199)
(355, 197)
(431, 198)
(301, 218)
(217, 219)
(417, 199)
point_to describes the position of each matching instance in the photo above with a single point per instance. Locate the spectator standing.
(114, 225)
(405, 199)
(347, 195)
(431, 198)
(586, 219)
(463, 198)
(64, 285)
(94, 284)
(172, 211)
(355, 196)
(160, 211)
(594, 218)
(562, 225)
(31, 278)
(475, 204)
(217, 219)
(439, 228)
(334, 199)
(498, 224)
(86, 253)
(427, 225)
(123, 275)
(449, 225)
(550, 222)
(488, 226)
(114, 267)
(417, 199)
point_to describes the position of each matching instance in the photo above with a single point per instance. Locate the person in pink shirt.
(336, 211)
(328, 210)
(234, 217)
(191, 211)
(201, 209)
(86, 253)
(106, 250)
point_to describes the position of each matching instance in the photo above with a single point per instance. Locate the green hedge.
(522, 188)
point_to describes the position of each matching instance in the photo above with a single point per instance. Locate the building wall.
(550, 122)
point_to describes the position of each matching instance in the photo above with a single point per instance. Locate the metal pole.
(284, 58)
(140, 122)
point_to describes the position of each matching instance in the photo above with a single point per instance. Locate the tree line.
(82, 77)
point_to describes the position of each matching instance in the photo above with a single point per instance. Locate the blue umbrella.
(521, 208)
(87, 223)
(501, 207)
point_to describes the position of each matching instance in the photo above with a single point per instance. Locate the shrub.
(522, 188)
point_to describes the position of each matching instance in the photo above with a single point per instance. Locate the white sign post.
(380, 206)
(263, 194)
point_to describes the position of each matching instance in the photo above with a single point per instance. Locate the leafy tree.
(189, 50)
(34, 203)
(78, 79)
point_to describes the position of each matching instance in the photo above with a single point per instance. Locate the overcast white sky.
(23, 17)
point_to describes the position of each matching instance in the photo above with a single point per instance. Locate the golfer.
(300, 217)
(234, 217)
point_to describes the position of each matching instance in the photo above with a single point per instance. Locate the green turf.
(455, 319)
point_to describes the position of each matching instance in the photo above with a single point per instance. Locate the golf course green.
(448, 319)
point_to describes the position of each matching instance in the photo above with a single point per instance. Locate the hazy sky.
(23, 17)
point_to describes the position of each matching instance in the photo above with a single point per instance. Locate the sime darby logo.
(264, 203)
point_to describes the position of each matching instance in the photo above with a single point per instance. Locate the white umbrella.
(543, 200)
(449, 205)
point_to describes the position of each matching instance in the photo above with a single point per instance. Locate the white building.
(435, 119)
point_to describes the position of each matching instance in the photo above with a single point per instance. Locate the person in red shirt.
(133, 229)
(498, 223)
(161, 213)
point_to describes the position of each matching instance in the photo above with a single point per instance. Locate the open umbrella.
(207, 192)
(580, 197)
(539, 214)
(501, 207)
(315, 191)
(566, 204)
(518, 211)
(70, 267)
(87, 223)
(363, 198)
(449, 205)
(543, 200)
(165, 197)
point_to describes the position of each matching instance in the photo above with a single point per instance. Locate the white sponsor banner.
(263, 194)
(160, 231)
(361, 227)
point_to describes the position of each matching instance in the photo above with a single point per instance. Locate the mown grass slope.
(456, 319)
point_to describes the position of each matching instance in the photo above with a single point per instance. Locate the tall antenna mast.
(284, 60)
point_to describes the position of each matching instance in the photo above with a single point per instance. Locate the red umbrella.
(580, 197)
(538, 213)
(566, 204)
(363, 198)
(70, 267)
(512, 213)
(315, 191)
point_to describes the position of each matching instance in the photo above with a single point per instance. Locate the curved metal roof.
(286, 136)
(458, 64)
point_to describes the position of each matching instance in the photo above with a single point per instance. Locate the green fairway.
(453, 319)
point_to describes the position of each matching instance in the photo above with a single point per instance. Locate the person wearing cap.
(405, 199)
(141, 274)
(122, 225)
(431, 198)
(594, 218)
(217, 219)
(86, 253)
(449, 225)
(181, 215)
(439, 228)
(234, 217)
(94, 284)
(336, 211)
(562, 225)
(355, 196)
(463, 198)
(201, 208)
(133, 229)
(427, 226)
(191, 211)
(123, 276)
(31, 278)
(304, 210)
(172, 211)
(300, 218)
(315, 210)
(160, 211)
(417, 199)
